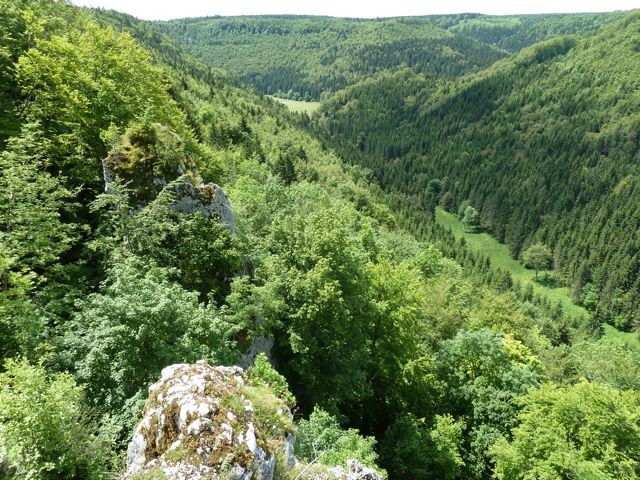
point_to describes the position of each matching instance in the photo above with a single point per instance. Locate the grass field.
(499, 255)
(297, 106)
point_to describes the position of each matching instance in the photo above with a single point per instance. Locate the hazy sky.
(167, 9)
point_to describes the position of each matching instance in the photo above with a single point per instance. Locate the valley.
(313, 248)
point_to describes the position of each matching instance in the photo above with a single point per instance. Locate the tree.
(537, 256)
(33, 237)
(447, 201)
(284, 167)
(321, 270)
(138, 323)
(82, 79)
(432, 195)
(413, 449)
(482, 374)
(462, 207)
(45, 433)
(580, 431)
(470, 218)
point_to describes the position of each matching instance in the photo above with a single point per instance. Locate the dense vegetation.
(312, 57)
(544, 145)
(395, 354)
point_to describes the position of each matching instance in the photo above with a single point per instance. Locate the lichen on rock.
(199, 424)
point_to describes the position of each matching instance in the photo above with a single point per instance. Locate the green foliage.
(32, 203)
(608, 361)
(538, 257)
(411, 449)
(374, 324)
(201, 249)
(321, 270)
(78, 79)
(305, 58)
(480, 381)
(137, 324)
(585, 430)
(45, 431)
(322, 437)
(263, 372)
(470, 218)
(33, 237)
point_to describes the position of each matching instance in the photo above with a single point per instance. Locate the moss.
(178, 454)
(151, 474)
(269, 410)
(167, 432)
(234, 404)
(146, 153)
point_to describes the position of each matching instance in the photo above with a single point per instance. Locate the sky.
(168, 9)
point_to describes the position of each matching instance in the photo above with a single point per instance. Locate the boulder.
(198, 423)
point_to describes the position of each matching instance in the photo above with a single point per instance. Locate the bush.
(137, 324)
(321, 436)
(44, 432)
(263, 372)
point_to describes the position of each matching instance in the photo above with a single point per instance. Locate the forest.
(310, 58)
(544, 145)
(392, 343)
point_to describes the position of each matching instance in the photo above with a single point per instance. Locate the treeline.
(545, 145)
(374, 329)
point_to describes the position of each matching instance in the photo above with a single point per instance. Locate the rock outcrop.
(150, 157)
(200, 422)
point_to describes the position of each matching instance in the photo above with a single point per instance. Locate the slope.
(545, 145)
(305, 58)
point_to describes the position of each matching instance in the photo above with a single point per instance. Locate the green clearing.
(628, 338)
(298, 106)
(500, 257)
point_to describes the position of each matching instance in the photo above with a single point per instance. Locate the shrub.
(44, 432)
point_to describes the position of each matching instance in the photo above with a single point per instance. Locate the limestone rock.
(289, 450)
(197, 423)
(259, 344)
(208, 199)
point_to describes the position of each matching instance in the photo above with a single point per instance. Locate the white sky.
(168, 9)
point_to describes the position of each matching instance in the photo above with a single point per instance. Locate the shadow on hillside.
(549, 280)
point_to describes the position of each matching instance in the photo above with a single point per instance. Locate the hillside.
(161, 225)
(308, 58)
(545, 145)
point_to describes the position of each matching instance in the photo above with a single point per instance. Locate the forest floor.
(500, 257)
(298, 106)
